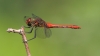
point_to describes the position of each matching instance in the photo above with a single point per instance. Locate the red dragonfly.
(35, 21)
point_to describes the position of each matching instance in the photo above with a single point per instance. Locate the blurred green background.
(63, 42)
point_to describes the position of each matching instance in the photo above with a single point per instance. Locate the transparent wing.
(43, 32)
(34, 16)
(47, 32)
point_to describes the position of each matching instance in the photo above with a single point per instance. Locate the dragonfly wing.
(40, 32)
(43, 32)
(34, 16)
(47, 32)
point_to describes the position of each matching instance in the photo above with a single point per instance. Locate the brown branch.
(21, 32)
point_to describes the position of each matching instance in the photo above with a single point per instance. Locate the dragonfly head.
(28, 21)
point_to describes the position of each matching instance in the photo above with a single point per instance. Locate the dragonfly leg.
(30, 30)
(34, 35)
(27, 26)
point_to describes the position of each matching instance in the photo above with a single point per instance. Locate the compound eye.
(28, 20)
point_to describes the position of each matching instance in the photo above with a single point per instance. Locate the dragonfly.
(37, 22)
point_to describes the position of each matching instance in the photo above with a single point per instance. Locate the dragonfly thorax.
(38, 22)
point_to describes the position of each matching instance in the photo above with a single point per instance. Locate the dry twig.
(21, 32)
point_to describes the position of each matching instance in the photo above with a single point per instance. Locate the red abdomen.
(49, 25)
